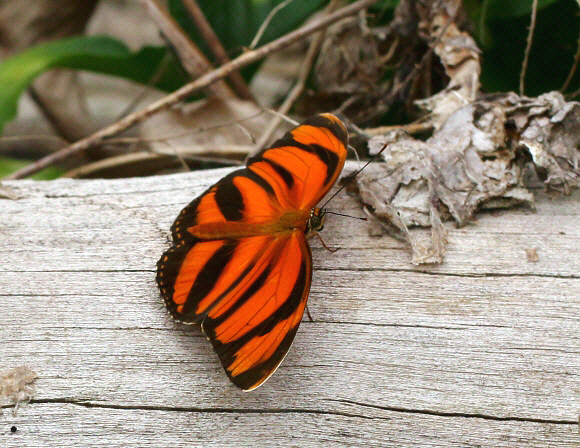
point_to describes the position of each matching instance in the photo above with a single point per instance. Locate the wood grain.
(483, 350)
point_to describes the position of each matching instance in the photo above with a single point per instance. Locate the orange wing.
(240, 263)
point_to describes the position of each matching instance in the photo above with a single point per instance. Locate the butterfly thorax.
(288, 222)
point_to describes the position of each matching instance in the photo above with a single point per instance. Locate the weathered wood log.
(483, 350)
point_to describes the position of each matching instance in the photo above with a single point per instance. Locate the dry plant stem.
(21, 138)
(192, 59)
(266, 22)
(528, 46)
(573, 69)
(574, 94)
(311, 55)
(188, 89)
(207, 33)
(145, 90)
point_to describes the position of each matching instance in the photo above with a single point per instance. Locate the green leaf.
(96, 53)
(9, 165)
(551, 56)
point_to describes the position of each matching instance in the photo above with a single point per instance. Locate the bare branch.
(528, 45)
(192, 59)
(266, 22)
(216, 47)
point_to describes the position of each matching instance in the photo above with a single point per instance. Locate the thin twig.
(130, 160)
(573, 69)
(208, 34)
(411, 128)
(411, 75)
(285, 118)
(482, 16)
(145, 90)
(185, 91)
(192, 59)
(311, 55)
(573, 94)
(528, 45)
(266, 22)
(198, 130)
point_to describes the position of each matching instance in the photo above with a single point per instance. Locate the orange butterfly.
(240, 263)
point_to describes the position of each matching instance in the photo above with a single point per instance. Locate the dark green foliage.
(501, 28)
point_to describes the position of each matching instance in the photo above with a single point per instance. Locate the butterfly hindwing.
(249, 295)
(253, 328)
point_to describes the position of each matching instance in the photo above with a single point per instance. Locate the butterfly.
(240, 263)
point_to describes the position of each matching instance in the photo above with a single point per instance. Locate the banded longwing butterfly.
(240, 263)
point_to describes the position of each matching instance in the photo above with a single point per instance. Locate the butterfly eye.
(316, 221)
(317, 225)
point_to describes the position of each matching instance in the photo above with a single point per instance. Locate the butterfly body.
(289, 221)
(240, 263)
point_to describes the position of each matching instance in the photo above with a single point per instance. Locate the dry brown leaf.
(550, 131)
(459, 55)
(473, 162)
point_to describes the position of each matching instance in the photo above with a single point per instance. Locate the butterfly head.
(316, 220)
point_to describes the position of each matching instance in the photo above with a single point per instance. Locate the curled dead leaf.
(472, 162)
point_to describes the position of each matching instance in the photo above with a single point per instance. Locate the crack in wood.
(219, 410)
(209, 410)
(451, 274)
(323, 269)
(458, 414)
(374, 324)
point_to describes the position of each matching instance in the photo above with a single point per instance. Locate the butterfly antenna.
(356, 174)
(348, 216)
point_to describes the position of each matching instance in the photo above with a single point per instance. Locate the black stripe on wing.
(228, 199)
(321, 121)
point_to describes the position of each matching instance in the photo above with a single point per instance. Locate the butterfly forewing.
(302, 166)
(240, 263)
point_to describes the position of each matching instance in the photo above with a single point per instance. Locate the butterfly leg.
(312, 235)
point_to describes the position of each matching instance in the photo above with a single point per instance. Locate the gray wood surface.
(482, 351)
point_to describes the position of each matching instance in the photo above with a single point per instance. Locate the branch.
(216, 47)
(192, 59)
(185, 91)
(266, 22)
(528, 46)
